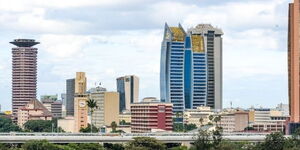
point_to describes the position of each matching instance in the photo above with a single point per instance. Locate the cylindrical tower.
(24, 73)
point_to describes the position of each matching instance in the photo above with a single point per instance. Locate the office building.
(24, 73)
(234, 122)
(293, 65)
(128, 88)
(70, 92)
(108, 107)
(55, 107)
(191, 67)
(149, 116)
(193, 116)
(33, 110)
(49, 97)
(80, 102)
(267, 120)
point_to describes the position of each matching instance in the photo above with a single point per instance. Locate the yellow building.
(108, 107)
(111, 105)
(80, 104)
(126, 117)
(193, 116)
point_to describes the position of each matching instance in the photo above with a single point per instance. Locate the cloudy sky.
(111, 38)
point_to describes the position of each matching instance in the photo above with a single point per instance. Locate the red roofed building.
(33, 110)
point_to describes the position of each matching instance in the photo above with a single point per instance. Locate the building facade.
(267, 120)
(70, 92)
(108, 107)
(191, 67)
(234, 122)
(293, 64)
(33, 110)
(148, 116)
(80, 102)
(24, 73)
(128, 88)
(193, 116)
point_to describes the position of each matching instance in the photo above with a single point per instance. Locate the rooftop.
(24, 42)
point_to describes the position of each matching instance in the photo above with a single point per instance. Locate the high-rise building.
(108, 107)
(24, 73)
(128, 88)
(191, 67)
(149, 116)
(70, 89)
(80, 102)
(293, 65)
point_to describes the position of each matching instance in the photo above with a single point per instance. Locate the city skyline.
(243, 77)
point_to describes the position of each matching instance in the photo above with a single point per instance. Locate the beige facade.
(111, 105)
(267, 120)
(80, 102)
(108, 107)
(192, 116)
(67, 124)
(234, 122)
(126, 117)
(33, 110)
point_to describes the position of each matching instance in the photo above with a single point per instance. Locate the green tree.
(208, 139)
(88, 129)
(6, 125)
(274, 141)
(114, 126)
(86, 146)
(40, 145)
(201, 121)
(110, 146)
(144, 143)
(38, 125)
(92, 104)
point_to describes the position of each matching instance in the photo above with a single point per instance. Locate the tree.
(6, 125)
(38, 125)
(201, 121)
(88, 129)
(40, 145)
(113, 126)
(92, 104)
(207, 140)
(144, 143)
(274, 141)
(86, 146)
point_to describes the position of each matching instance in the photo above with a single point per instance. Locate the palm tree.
(113, 126)
(201, 121)
(92, 104)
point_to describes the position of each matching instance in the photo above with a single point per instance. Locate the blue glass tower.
(191, 67)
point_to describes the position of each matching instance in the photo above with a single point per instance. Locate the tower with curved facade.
(191, 67)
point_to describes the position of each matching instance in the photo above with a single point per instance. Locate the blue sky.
(111, 38)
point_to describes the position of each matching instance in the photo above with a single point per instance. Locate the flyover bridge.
(116, 138)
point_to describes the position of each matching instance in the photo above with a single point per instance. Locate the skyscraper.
(293, 65)
(70, 91)
(24, 73)
(128, 88)
(191, 67)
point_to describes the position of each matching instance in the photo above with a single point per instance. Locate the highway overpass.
(113, 138)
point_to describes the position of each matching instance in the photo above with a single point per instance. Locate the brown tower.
(24, 73)
(293, 66)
